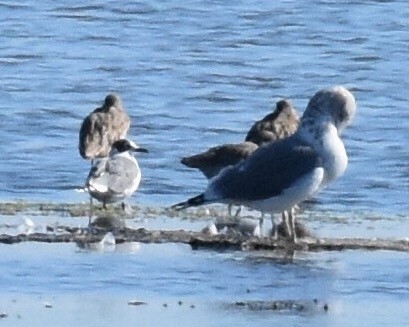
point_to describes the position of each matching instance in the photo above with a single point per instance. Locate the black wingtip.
(192, 202)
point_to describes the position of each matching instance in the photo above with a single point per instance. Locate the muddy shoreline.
(197, 239)
(200, 240)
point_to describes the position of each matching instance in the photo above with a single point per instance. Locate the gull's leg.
(291, 216)
(237, 214)
(286, 220)
(91, 205)
(90, 211)
(261, 222)
(262, 217)
(126, 208)
(274, 228)
(229, 207)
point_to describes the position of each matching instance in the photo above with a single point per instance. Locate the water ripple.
(197, 76)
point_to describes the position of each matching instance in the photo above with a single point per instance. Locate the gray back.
(269, 171)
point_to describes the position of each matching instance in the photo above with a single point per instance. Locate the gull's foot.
(301, 231)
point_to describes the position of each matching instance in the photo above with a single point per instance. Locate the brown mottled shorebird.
(102, 128)
(212, 161)
(279, 124)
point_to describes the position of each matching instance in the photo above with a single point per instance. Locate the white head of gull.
(102, 128)
(117, 177)
(280, 175)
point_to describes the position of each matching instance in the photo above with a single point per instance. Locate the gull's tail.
(192, 202)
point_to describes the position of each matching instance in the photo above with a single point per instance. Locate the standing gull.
(282, 174)
(102, 128)
(117, 177)
(281, 123)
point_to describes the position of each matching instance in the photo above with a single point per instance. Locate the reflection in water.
(210, 282)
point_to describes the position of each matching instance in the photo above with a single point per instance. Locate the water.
(196, 76)
(97, 286)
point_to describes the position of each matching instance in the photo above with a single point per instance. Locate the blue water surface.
(194, 76)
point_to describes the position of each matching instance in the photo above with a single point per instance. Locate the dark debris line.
(200, 240)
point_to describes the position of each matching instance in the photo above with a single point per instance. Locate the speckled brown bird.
(102, 128)
(212, 161)
(279, 124)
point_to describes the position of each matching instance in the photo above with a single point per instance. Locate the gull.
(282, 174)
(102, 128)
(279, 124)
(117, 177)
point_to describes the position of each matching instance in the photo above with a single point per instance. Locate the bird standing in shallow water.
(279, 124)
(117, 177)
(102, 128)
(280, 175)
(212, 161)
(276, 125)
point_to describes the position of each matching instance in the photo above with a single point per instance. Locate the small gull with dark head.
(102, 128)
(117, 177)
(282, 174)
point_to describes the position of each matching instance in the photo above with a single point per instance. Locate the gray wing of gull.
(117, 173)
(122, 173)
(268, 172)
